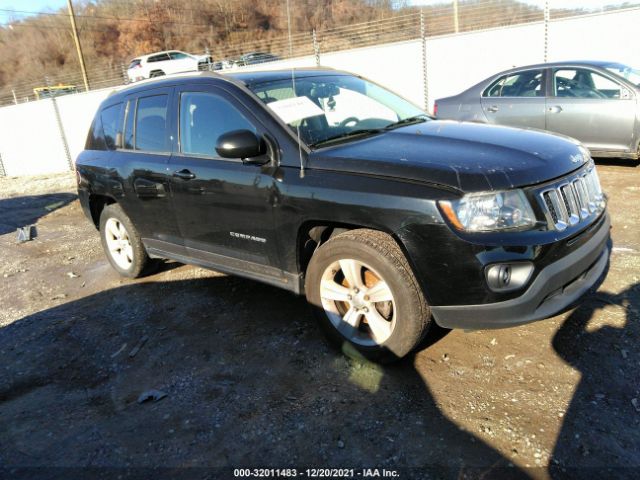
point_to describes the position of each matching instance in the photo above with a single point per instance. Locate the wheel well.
(312, 235)
(158, 71)
(96, 205)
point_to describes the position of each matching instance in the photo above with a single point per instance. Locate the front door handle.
(184, 174)
(493, 109)
(555, 109)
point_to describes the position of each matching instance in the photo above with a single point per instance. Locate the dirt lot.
(250, 381)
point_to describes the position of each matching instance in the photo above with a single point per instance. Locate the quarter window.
(151, 124)
(582, 83)
(203, 118)
(521, 84)
(110, 117)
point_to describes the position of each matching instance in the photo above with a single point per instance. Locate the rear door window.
(128, 124)
(521, 84)
(151, 124)
(178, 55)
(159, 58)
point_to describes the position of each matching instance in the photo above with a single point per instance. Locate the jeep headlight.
(487, 212)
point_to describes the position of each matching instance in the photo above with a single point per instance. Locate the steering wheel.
(574, 89)
(566, 85)
(349, 122)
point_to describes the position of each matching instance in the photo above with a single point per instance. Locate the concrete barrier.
(31, 141)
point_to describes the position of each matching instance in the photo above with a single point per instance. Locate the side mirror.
(239, 144)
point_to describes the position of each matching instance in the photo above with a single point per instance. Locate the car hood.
(465, 156)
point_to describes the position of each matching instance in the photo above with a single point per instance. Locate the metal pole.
(63, 137)
(15, 99)
(316, 47)
(72, 18)
(289, 29)
(423, 36)
(208, 54)
(3, 172)
(125, 77)
(456, 24)
(547, 17)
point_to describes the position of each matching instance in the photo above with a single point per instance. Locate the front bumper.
(556, 287)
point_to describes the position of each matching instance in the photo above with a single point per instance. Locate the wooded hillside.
(114, 31)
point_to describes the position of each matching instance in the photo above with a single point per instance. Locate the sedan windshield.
(624, 71)
(336, 108)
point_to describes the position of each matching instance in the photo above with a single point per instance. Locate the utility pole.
(72, 18)
(456, 20)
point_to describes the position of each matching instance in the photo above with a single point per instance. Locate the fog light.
(504, 277)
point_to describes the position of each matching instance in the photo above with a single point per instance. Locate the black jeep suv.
(324, 183)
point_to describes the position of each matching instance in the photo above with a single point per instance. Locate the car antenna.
(293, 86)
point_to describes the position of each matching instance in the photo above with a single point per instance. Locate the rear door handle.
(184, 174)
(555, 109)
(493, 109)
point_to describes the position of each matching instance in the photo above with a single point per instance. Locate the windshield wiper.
(407, 121)
(370, 131)
(353, 133)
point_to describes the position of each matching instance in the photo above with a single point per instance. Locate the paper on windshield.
(296, 108)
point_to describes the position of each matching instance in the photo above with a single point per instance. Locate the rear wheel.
(121, 242)
(365, 295)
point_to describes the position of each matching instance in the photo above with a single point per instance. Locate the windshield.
(624, 71)
(333, 108)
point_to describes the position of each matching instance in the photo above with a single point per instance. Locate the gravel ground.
(250, 381)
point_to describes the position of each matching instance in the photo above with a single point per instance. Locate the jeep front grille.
(573, 199)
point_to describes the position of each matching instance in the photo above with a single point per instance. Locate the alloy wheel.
(118, 243)
(358, 302)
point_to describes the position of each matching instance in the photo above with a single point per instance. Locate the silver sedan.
(597, 103)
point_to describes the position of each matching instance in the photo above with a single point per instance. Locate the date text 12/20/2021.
(315, 473)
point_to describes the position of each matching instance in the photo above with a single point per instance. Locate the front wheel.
(366, 296)
(121, 242)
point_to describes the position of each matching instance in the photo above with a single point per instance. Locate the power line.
(7, 12)
(51, 27)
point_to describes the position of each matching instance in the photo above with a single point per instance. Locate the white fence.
(32, 143)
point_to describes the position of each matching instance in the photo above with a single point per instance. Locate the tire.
(121, 242)
(373, 259)
(156, 73)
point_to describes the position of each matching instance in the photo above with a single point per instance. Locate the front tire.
(366, 296)
(121, 242)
